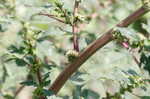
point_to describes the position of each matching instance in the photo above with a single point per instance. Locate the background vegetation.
(114, 72)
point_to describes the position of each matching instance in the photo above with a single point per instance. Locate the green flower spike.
(146, 4)
(118, 36)
(72, 55)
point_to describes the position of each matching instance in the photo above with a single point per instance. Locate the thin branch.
(52, 16)
(39, 77)
(75, 26)
(135, 59)
(64, 12)
(18, 91)
(21, 87)
(91, 49)
(38, 73)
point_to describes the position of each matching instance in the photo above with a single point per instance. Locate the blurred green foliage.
(111, 73)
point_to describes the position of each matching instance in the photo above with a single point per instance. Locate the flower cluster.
(71, 55)
(124, 41)
(146, 4)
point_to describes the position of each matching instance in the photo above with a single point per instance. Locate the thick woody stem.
(91, 49)
(67, 72)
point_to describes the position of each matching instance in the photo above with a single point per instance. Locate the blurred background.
(101, 73)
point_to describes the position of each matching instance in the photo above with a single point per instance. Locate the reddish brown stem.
(91, 49)
(75, 27)
(131, 18)
(67, 72)
(75, 38)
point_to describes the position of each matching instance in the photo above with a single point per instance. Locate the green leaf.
(144, 97)
(53, 1)
(146, 26)
(48, 92)
(47, 37)
(89, 94)
(42, 26)
(77, 92)
(20, 62)
(145, 61)
(30, 59)
(15, 49)
(8, 97)
(49, 67)
(29, 83)
(46, 83)
(147, 45)
(78, 78)
(38, 91)
(46, 76)
(5, 74)
(1, 29)
(129, 33)
(90, 38)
